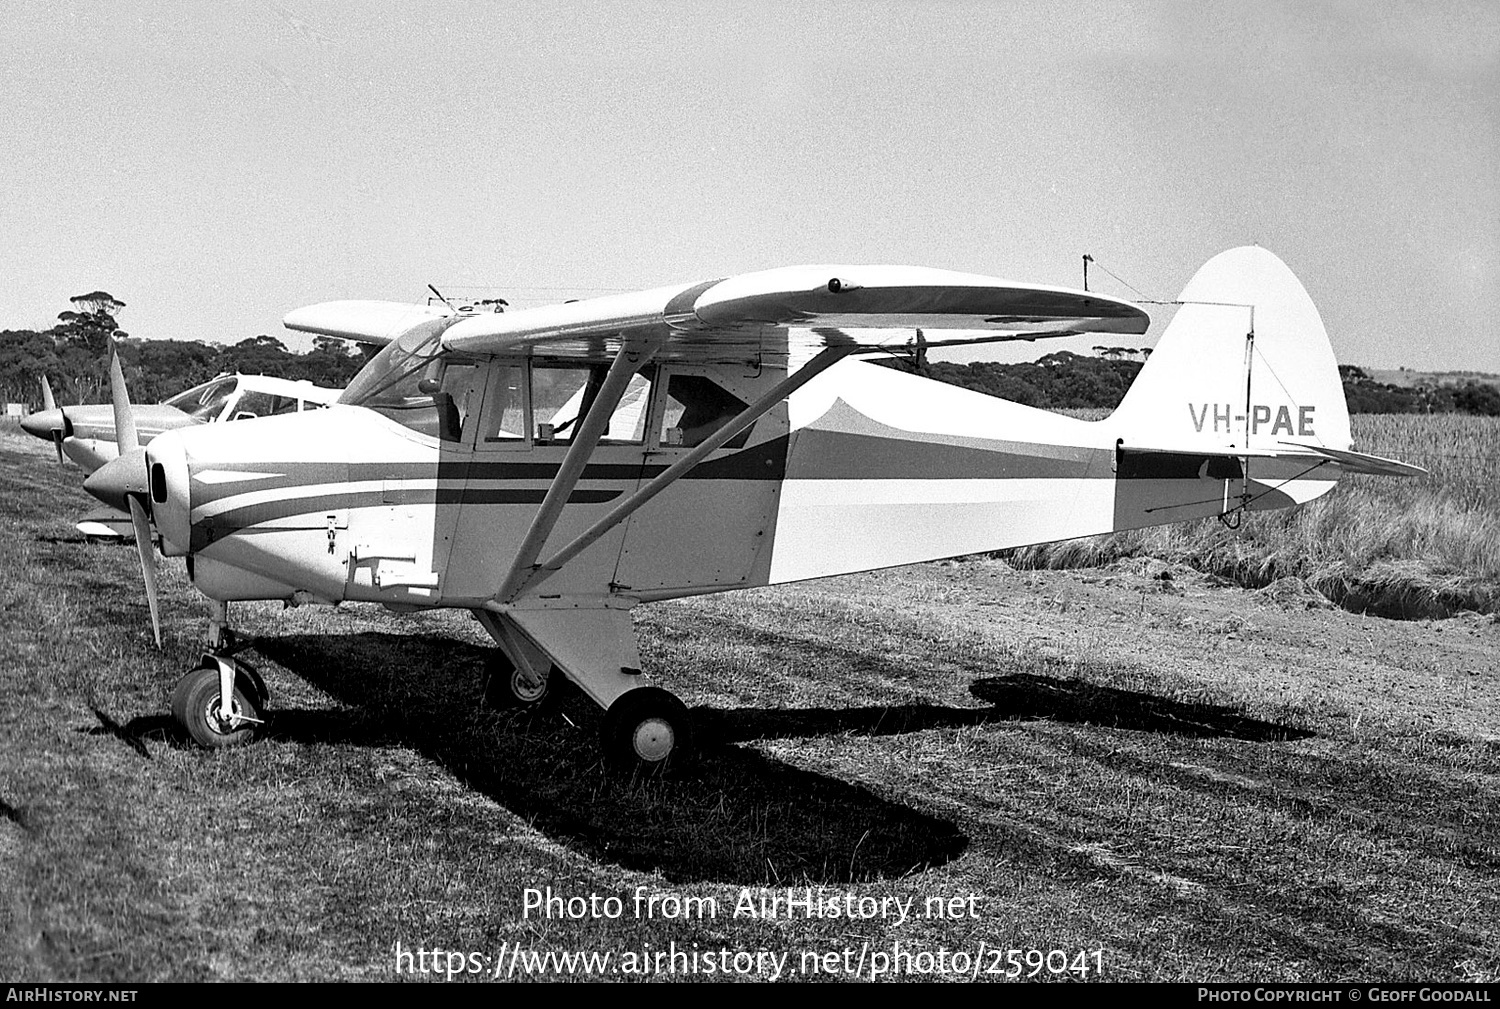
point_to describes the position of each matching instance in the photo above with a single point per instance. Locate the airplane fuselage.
(865, 467)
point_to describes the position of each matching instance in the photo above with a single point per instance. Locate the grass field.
(1198, 781)
(1421, 547)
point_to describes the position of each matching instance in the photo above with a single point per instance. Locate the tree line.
(1064, 380)
(1366, 395)
(74, 356)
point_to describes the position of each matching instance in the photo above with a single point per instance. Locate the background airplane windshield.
(204, 401)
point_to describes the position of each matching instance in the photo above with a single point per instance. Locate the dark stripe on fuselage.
(766, 461)
(1139, 465)
(506, 495)
(812, 453)
(318, 507)
(839, 455)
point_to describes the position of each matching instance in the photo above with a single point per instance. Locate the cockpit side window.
(458, 399)
(505, 408)
(563, 394)
(696, 407)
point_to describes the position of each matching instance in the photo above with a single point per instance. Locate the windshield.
(204, 402)
(415, 384)
(403, 359)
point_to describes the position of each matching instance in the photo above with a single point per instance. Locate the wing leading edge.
(823, 306)
(371, 322)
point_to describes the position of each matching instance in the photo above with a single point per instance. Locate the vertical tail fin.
(1244, 365)
(1243, 375)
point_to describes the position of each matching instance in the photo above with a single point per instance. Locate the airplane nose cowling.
(42, 423)
(167, 473)
(119, 477)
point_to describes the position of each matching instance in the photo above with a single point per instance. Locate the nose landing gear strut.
(221, 701)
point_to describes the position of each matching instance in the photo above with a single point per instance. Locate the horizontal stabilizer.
(1348, 460)
(107, 524)
(1360, 462)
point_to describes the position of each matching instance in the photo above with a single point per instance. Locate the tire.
(195, 706)
(248, 679)
(507, 687)
(647, 730)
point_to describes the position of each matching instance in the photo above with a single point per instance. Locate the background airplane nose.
(42, 423)
(119, 477)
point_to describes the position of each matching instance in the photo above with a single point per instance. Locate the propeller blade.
(148, 561)
(57, 439)
(125, 434)
(49, 401)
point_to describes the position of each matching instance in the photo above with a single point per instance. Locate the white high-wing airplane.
(487, 462)
(86, 433)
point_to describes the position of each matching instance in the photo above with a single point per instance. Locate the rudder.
(1195, 393)
(1243, 373)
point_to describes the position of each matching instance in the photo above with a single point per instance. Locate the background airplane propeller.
(49, 405)
(49, 421)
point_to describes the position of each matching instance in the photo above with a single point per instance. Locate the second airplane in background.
(86, 433)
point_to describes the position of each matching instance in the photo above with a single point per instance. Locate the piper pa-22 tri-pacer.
(551, 469)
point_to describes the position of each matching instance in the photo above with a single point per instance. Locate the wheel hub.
(653, 740)
(214, 716)
(527, 689)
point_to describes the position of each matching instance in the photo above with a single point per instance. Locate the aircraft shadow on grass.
(1012, 697)
(736, 815)
(1027, 695)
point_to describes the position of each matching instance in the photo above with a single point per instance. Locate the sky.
(215, 166)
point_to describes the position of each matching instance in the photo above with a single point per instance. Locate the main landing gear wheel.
(507, 685)
(647, 730)
(195, 705)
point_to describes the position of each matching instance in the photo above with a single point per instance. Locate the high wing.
(371, 322)
(748, 317)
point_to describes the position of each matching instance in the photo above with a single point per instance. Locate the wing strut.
(620, 512)
(634, 352)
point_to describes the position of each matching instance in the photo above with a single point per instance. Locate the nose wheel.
(197, 704)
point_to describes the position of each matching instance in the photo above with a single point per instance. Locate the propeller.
(125, 433)
(49, 404)
(148, 562)
(49, 422)
(135, 493)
